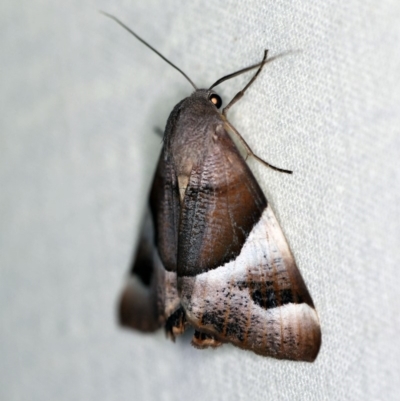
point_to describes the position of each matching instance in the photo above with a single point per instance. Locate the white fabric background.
(79, 100)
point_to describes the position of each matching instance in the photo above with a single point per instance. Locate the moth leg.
(240, 94)
(235, 99)
(251, 153)
(176, 324)
(203, 340)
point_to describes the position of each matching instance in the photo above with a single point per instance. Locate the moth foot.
(203, 340)
(176, 324)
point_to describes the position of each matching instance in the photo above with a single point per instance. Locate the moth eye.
(216, 100)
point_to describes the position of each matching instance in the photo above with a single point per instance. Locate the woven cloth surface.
(80, 99)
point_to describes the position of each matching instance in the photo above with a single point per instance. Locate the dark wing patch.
(142, 266)
(222, 203)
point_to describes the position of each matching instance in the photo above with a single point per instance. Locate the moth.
(212, 255)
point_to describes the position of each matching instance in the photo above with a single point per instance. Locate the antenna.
(150, 47)
(243, 70)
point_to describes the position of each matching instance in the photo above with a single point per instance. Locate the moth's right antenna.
(150, 47)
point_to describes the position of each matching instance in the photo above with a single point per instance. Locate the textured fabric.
(79, 102)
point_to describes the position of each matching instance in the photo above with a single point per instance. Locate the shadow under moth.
(212, 255)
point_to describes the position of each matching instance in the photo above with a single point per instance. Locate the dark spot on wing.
(269, 298)
(287, 296)
(143, 264)
(215, 319)
(233, 329)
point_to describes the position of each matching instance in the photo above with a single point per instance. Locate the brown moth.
(212, 255)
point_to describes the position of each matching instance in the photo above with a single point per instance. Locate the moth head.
(210, 99)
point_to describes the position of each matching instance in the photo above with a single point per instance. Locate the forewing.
(259, 301)
(221, 204)
(150, 296)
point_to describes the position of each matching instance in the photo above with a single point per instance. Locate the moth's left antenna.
(150, 47)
